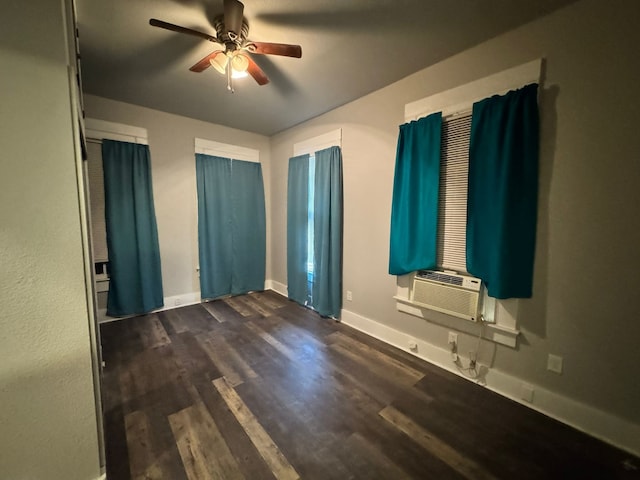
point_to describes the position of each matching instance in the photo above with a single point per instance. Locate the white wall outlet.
(526, 392)
(413, 346)
(178, 302)
(554, 363)
(453, 338)
(349, 295)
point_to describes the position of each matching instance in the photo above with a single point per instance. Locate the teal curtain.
(135, 284)
(297, 229)
(231, 226)
(326, 292)
(503, 190)
(414, 209)
(248, 227)
(213, 175)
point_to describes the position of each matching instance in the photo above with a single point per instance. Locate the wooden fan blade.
(177, 28)
(233, 11)
(256, 72)
(265, 48)
(204, 63)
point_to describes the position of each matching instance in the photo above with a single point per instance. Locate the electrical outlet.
(526, 392)
(349, 295)
(178, 302)
(554, 363)
(453, 338)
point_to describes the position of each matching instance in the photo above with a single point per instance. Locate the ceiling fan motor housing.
(232, 40)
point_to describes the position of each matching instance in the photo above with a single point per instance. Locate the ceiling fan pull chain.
(229, 79)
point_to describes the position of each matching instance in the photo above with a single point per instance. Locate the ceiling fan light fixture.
(233, 59)
(239, 63)
(237, 74)
(219, 62)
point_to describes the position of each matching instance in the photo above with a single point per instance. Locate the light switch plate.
(554, 363)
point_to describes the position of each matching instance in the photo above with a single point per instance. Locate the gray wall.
(587, 256)
(587, 260)
(47, 414)
(171, 142)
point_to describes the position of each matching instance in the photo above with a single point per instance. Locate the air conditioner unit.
(450, 293)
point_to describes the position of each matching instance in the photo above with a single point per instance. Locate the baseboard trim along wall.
(594, 422)
(190, 298)
(175, 301)
(281, 288)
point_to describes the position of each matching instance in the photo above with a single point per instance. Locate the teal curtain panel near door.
(326, 292)
(314, 231)
(248, 227)
(297, 229)
(231, 226)
(135, 284)
(213, 176)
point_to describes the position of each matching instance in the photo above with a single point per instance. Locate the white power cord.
(471, 370)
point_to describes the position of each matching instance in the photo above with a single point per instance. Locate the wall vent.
(450, 293)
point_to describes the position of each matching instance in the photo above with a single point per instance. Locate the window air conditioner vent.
(457, 295)
(441, 277)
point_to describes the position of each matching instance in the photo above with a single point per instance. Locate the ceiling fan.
(233, 58)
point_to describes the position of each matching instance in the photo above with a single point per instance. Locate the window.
(314, 224)
(452, 201)
(95, 180)
(310, 224)
(455, 105)
(311, 146)
(96, 131)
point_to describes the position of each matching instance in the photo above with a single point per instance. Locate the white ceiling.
(349, 48)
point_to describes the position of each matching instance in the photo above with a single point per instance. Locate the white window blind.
(452, 202)
(96, 197)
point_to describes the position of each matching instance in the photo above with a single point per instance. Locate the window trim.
(226, 150)
(312, 145)
(461, 99)
(101, 129)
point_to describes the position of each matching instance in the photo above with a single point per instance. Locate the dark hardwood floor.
(257, 387)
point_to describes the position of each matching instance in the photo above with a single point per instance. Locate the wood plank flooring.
(257, 387)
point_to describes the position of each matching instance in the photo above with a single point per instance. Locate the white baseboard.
(174, 301)
(102, 477)
(191, 298)
(281, 288)
(597, 423)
